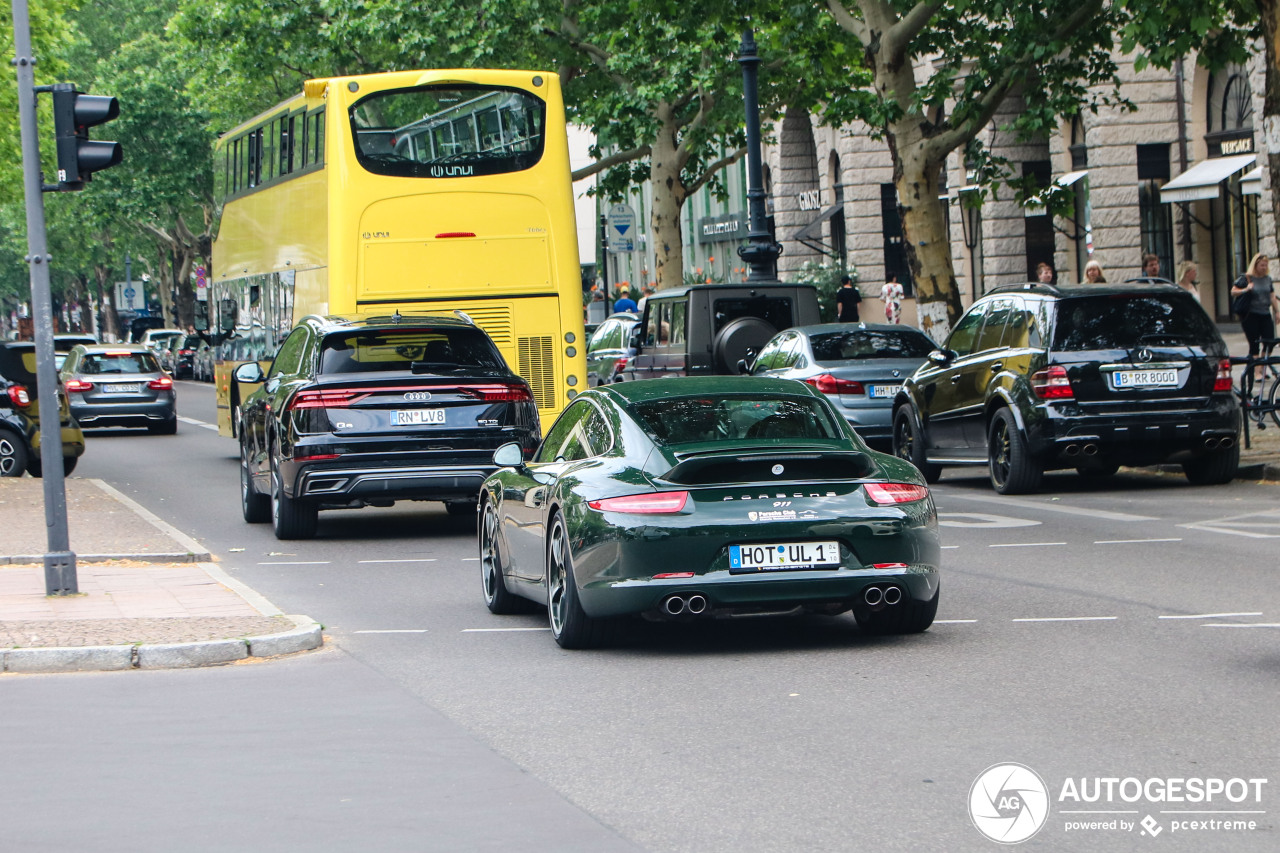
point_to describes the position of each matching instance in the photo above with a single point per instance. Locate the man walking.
(847, 299)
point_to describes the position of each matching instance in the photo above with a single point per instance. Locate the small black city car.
(20, 416)
(368, 410)
(1036, 377)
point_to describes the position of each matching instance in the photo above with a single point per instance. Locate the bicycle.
(1259, 397)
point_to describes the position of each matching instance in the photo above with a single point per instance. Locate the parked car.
(120, 385)
(202, 363)
(63, 342)
(860, 366)
(705, 497)
(362, 410)
(1091, 377)
(609, 348)
(20, 416)
(182, 355)
(707, 329)
(161, 342)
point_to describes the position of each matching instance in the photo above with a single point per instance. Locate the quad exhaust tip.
(694, 604)
(876, 596)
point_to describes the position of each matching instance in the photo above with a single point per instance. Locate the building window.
(839, 245)
(1038, 229)
(1156, 219)
(895, 249)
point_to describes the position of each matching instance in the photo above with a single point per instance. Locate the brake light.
(620, 365)
(664, 576)
(76, 385)
(499, 393)
(186, 352)
(317, 457)
(1222, 382)
(18, 394)
(652, 503)
(161, 384)
(886, 494)
(828, 384)
(1052, 383)
(325, 399)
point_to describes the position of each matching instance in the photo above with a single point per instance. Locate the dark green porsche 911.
(704, 497)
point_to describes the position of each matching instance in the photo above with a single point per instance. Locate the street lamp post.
(762, 251)
(970, 222)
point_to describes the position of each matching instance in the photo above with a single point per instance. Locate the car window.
(441, 350)
(1125, 320)
(859, 344)
(1017, 332)
(605, 336)
(682, 420)
(964, 334)
(790, 353)
(769, 354)
(289, 356)
(993, 326)
(561, 432)
(589, 436)
(679, 311)
(106, 363)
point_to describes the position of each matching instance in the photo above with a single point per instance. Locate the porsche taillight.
(887, 494)
(647, 504)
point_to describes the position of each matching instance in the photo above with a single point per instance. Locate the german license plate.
(115, 388)
(417, 417)
(1162, 378)
(784, 555)
(880, 391)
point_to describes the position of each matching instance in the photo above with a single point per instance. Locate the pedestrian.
(1044, 273)
(1262, 310)
(1150, 265)
(1093, 273)
(847, 299)
(891, 294)
(1187, 272)
(624, 302)
(597, 310)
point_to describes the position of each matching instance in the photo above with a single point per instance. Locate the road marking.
(298, 563)
(195, 422)
(954, 621)
(429, 560)
(499, 630)
(1053, 507)
(470, 559)
(1024, 544)
(1070, 619)
(394, 631)
(1209, 615)
(1241, 625)
(950, 547)
(1130, 541)
(982, 519)
(1270, 520)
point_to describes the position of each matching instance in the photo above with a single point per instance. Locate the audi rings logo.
(417, 396)
(1008, 803)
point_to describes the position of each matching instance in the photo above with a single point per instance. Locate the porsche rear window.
(431, 350)
(683, 420)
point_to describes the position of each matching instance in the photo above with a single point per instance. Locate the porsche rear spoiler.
(762, 466)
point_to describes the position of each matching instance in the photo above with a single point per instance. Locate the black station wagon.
(365, 411)
(1037, 377)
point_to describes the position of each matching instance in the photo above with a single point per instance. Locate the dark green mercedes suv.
(1036, 377)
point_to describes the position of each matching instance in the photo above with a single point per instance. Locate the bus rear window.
(419, 350)
(450, 131)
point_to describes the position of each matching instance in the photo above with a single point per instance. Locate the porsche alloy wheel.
(497, 598)
(571, 627)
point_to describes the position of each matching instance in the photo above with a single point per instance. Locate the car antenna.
(396, 318)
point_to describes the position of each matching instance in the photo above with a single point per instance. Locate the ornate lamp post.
(762, 251)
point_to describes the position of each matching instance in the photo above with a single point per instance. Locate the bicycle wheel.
(1270, 403)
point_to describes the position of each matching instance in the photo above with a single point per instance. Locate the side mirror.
(228, 314)
(249, 373)
(509, 455)
(941, 357)
(200, 317)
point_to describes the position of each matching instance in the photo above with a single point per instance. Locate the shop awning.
(813, 231)
(1201, 180)
(1071, 177)
(1251, 182)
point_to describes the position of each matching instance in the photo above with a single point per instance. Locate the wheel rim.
(489, 553)
(244, 478)
(275, 497)
(556, 580)
(8, 457)
(904, 440)
(1000, 453)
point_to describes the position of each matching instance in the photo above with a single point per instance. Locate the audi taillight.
(498, 393)
(1222, 382)
(887, 494)
(162, 383)
(18, 394)
(1052, 383)
(652, 503)
(324, 399)
(77, 385)
(828, 384)
(186, 352)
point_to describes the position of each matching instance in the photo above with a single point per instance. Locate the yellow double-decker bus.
(412, 191)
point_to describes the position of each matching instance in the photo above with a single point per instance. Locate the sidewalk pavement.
(1261, 459)
(150, 597)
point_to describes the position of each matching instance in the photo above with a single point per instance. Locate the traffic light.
(79, 156)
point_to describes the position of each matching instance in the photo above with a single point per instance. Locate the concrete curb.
(198, 553)
(305, 636)
(38, 559)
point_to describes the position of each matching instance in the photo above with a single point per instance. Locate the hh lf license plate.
(786, 555)
(120, 389)
(1163, 378)
(884, 390)
(417, 417)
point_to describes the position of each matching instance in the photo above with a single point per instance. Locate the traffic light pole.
(59, 561)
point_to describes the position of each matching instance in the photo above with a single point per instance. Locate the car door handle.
(997, 365)
(955, 377)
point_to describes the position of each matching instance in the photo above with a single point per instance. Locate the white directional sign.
(129, 296)
(621, 233)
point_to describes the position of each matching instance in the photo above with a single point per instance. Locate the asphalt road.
(1125, 628)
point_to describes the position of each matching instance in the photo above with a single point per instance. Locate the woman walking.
(1263, 311)
(1187, 272)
